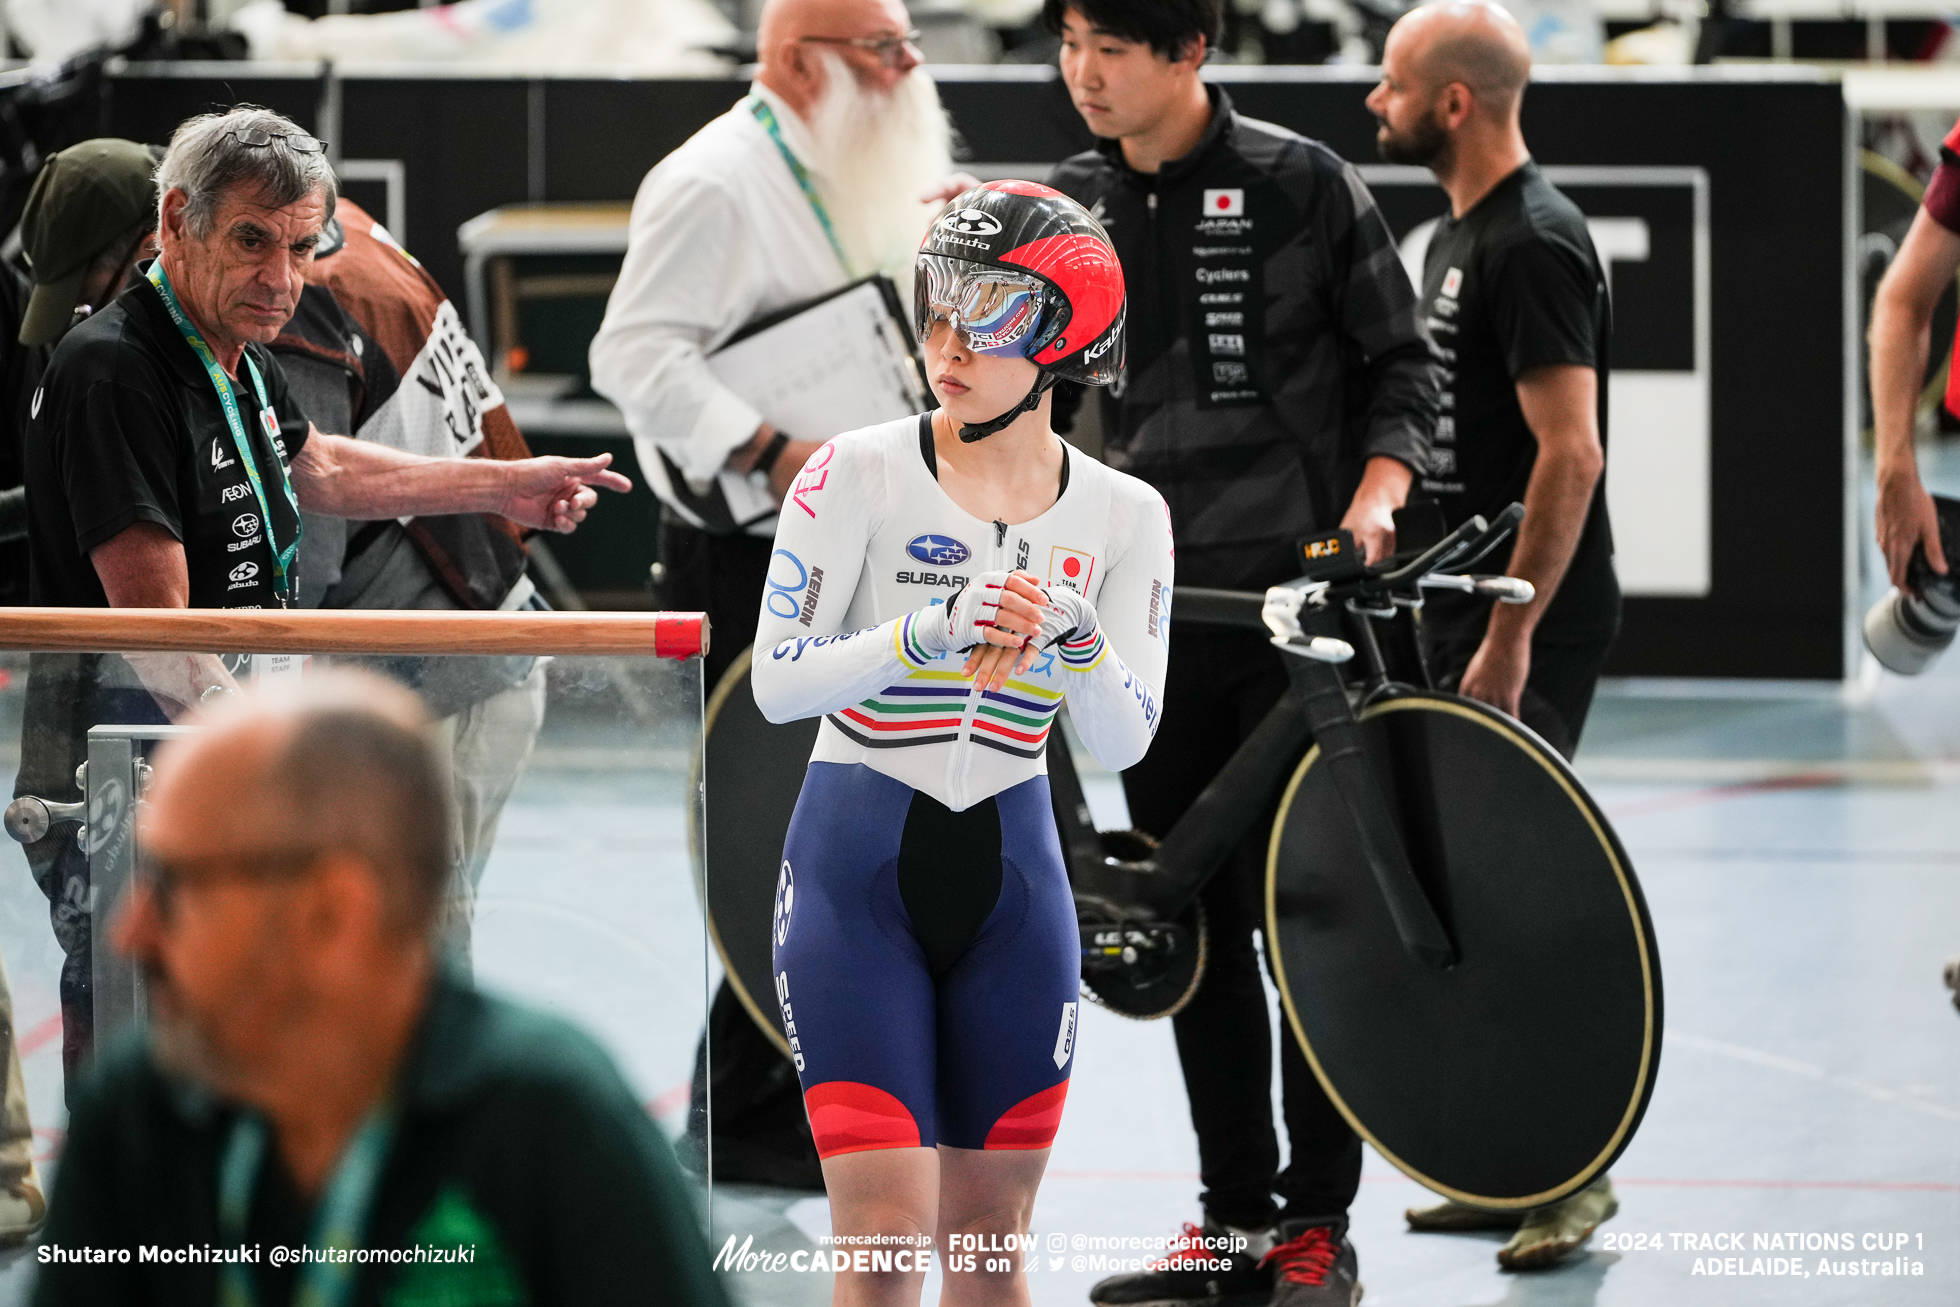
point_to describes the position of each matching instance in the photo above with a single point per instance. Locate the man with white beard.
(827, 171)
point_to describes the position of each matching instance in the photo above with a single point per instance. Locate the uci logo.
(940, 551)
(245, 524)
(785, 902)
(970, 222)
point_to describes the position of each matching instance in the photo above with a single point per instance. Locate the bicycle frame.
(1316, 710)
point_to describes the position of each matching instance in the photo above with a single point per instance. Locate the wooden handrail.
(349, 631)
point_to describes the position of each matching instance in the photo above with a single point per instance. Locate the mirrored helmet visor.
(994, 311)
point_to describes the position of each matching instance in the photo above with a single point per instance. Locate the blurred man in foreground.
(312, 1077)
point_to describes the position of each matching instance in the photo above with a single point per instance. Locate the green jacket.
(518, 1140)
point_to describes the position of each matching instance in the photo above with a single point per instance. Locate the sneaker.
(1314, 1266)
(1551, 1234)
(1228, 1276)
(22, 1209)
(1459, 1218)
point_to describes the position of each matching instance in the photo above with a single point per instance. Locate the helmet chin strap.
(981, 430)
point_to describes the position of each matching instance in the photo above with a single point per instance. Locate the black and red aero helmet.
(1025, 229)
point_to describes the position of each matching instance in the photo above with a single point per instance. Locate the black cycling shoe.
(1203, 1267)
(1313, 1265)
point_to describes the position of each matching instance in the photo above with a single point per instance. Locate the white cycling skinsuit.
(853, 627)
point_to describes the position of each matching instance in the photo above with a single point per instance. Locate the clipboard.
(835, 363)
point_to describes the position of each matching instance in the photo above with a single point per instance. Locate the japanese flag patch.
(1070, 567)
(1225, 204)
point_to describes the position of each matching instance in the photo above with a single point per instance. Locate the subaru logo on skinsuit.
(246, 524)
(940, 551)
(970, 222)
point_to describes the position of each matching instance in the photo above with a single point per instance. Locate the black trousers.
(722, 576)
(761, 1132)
(1220, 685)
(1558, 690)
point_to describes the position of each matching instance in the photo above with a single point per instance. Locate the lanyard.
(338, 1226)
(767, 117)
(282, 559)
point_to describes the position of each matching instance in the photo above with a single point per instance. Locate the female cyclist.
(941, 586)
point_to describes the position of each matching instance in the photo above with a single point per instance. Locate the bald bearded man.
(1515, 295)
(310, 1075)
(1517, 299)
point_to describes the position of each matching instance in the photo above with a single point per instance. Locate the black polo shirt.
(126, 428)
(1512, 285)
(518, 1141)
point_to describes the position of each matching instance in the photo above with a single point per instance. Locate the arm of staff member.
(144, 566)
(1560, 404)
(1901, 330)
(238, 265)
(1371, 513)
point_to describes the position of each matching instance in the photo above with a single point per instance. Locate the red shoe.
(1313, 1266)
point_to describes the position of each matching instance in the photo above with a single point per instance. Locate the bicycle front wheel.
(1513, 1078)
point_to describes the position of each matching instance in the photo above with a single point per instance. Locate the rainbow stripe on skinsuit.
(1016, 718)
(929, 707)
(906, 644)
(1086, 653)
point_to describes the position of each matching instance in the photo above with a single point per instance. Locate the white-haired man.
(827, 171)
(167, 462)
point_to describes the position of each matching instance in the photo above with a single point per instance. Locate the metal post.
(111, 802)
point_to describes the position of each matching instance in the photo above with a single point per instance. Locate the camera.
(1907, 630)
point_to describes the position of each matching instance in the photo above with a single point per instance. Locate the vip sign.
(1650, 227)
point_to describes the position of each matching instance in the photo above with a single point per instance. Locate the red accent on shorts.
(1032, 1122)
(847, 1117)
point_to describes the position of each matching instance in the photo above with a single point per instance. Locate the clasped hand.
(1026, 622)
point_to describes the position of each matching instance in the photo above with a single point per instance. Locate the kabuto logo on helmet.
(970, 222)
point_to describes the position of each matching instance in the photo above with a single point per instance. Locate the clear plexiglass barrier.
(572, 740)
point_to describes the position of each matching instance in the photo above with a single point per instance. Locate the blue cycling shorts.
(927, 964)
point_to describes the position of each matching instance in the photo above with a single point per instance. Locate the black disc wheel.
(1513, 1078)
(738, 845)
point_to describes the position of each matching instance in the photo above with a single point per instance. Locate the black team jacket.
(1274, 341)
